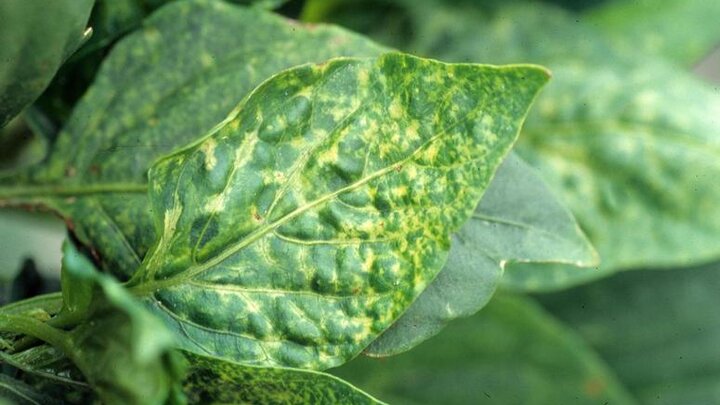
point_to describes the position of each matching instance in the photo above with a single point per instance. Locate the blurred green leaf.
(630, 144)
(36, 37)
(512, 352)
(18, 393)
(161, 88)
(212, 380)
(123, 351)
(683, 31)
(659, 330)
(517, 220)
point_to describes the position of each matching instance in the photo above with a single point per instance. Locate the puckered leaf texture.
(305, 224)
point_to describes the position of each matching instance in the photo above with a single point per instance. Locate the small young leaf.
(36, 38)
(122, 350)
(512, 352)
(159, 89)
(299, 230)
(504, 228)
(211, 380)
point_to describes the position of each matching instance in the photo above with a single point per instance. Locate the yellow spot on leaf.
(208, 149)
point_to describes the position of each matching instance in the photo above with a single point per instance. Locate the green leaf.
(36, 38)
(122, 350)
(111, 19)
(630, 144)
(512, 352)
(211, 380)
(504, 228)
(634, 151)
(658, 330)
(683, 31)
(301, 228)
(161, 88)
(18, 393)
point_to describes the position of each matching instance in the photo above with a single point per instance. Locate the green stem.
(9, 192)
(50, 303)
(38, 329)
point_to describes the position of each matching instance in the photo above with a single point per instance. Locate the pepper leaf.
(159, 89)
(505, 227)
(307, 223)
(36, 39)
(212, 380)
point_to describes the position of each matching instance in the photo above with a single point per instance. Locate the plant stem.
(36, 328)
(9, 192)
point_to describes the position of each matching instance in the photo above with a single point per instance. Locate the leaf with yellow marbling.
(305, 225)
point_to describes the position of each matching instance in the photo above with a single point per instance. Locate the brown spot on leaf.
(594, 387)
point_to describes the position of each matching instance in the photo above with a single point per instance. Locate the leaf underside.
(517, 220)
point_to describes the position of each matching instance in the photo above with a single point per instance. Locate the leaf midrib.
(545, 232)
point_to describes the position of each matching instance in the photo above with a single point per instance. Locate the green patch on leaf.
(630, 144)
